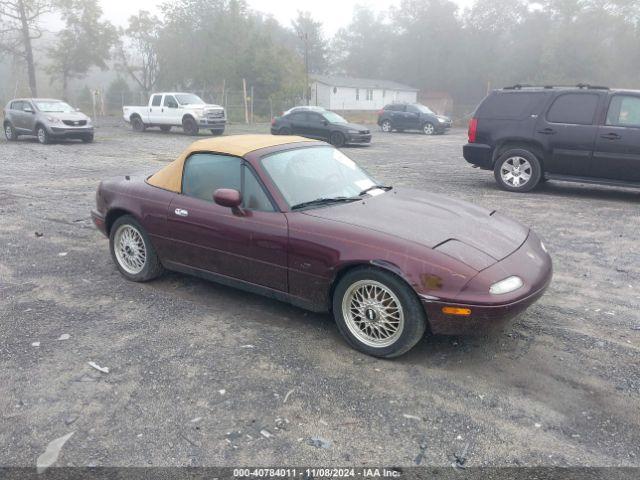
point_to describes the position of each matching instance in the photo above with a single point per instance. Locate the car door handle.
(547, 131)
(182, 212)
(611, 136)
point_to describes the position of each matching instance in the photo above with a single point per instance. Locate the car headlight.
(507, 285)
(53, 120)
(442, 120)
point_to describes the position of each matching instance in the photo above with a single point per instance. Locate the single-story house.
(346, 93)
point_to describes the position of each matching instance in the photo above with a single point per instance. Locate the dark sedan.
(298, 221)
(321, 125)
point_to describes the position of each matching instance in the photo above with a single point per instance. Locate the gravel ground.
(201, 374)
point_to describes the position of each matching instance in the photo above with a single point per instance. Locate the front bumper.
(70, 132)
(359, 138)
(216, 124)
(100, 222)
(442, 127)
(478, 154)
(488, 311)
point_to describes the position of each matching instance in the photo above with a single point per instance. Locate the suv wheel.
(386, 126)
(42, 134)
(9, 132)
(517, 171)
(429, 129)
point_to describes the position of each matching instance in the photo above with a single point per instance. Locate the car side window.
(204, 173)
(624, 111)
(16, 106)
(156, 100)
(412, 109)
(315, 118)
(253, 195)
(170, 101)
(298, 117)
(27, 107)
(574, 109)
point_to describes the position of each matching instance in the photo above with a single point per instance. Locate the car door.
(155, 109)
(412, 118)
(248, 245)
(397, 116)
(567, 132)
(617, 151)
(317, 126)
(171, 113)
(18, 115)
(298, 122)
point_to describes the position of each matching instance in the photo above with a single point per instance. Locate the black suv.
(412, 116)
(582, 134)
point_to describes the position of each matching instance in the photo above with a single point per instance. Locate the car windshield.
(54, 107)
(317, 173)
(333, 117)
(423, 109)
(189, 99)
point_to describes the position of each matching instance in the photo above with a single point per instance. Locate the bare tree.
(138, 50)
(19, 26)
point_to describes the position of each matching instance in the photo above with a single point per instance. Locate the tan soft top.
(170, 177)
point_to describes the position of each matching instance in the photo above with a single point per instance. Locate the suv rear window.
(574, 109)
(510, 105)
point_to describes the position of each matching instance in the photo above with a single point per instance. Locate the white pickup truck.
(175, 109)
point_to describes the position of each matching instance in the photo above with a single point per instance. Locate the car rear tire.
(88, 138)
(517, 170)
(337, 139)
(165, 128)
(43, 135)
(429, 128)
(190, 127)
(386, 126)
(10, 132)
(137, 124)
(284, 131)
(217, 132)
(378, 313)
(132, 251)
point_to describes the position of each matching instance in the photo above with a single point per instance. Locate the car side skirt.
(245, 286)
(592, 180)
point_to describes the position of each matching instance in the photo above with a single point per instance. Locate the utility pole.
(304, 36)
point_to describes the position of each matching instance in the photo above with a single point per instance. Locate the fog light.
(463, 312)
(507, 285)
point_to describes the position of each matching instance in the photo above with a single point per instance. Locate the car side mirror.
(325, 123)
(228, 197)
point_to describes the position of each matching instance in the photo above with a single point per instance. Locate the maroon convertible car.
(297, 220)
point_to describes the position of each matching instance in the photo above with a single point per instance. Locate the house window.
(369, 94)
(357, 94)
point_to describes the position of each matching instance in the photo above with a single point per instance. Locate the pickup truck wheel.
(517, 171)
(165, 128)
(386, 126)
(137, 124)
(190, 126)
(9, 132)
(217, 132)
(42, 134)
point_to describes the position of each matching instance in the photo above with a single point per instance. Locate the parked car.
(297, 220)
(47, 119)
(412, 116)
(321, 125)
(175, 109)
(586, 134)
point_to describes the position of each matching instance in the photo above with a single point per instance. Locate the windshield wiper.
(325, 201)
(386, 188)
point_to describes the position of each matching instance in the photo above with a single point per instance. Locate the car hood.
(72, 116)
(474, 235)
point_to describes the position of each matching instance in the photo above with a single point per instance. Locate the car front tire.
(132, 251)
(378, 313)
(337, 139)
(10, 132)
(517, 170)
(429, 128)
(43, 135)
